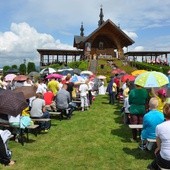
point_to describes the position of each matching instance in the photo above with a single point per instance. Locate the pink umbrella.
(54, 75)
(10, 77)
(118, 71)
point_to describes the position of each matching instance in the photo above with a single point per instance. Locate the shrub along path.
(93, 139)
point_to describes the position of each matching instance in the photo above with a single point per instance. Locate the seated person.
(38, 111)
(150, 121)
(5, 153)
(49, 100)
(162, 152)
(62, 101)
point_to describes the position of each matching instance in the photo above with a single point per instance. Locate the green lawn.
(94, 139)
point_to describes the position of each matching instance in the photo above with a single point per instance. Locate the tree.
(5, 69)
(30, 67)
(22, 69)
(14, 66)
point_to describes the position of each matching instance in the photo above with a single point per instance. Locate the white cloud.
(132, 35)
(139, 48)
(22, 41)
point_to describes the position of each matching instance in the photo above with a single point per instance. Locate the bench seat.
(138, 126)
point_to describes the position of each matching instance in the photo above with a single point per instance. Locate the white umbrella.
(101, 77)
(47, 71)
(87, 72)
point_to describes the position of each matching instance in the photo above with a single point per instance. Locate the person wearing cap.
(161, 96)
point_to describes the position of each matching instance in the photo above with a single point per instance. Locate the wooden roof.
(146, 53)
(110, 30)
(59, 52)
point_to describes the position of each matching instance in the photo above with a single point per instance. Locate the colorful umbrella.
(151, 79)
(76, 79)
(10, 77)
(118, 71)
(54, 75)
(20, 78)
(127, 76)
(138, 72)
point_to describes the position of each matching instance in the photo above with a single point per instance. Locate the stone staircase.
(93, 66)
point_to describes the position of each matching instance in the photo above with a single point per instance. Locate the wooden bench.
(138, 126)
(27, 129)
(41, 120)
(151, 140)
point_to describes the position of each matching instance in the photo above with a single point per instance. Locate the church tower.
(101, 21)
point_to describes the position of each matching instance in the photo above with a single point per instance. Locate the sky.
(28, 25)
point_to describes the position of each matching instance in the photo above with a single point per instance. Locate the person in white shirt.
(83, 89)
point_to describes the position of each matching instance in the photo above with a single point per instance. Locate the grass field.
(95, 140)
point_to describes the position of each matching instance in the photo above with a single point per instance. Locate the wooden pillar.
(57, 58)
(48, 60)
(41, 60)
(66, 58)
(75, 58)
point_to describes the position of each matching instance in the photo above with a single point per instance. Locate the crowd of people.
(150, 108)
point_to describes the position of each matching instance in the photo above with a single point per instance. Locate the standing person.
(70, 86)
(53, 85)
(83, 89)
(111, 89)
(138, 98)
(38, 110)
(162, 152)
(40, 88)
(117, 82)
(102, 88)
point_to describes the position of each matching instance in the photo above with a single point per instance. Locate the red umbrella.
(54, 75)
(118, 71)
(20, 78)
(127, 76)
(12, 103)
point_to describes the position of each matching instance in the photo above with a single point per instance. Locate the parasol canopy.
(101, 77)
(118, 71)
(65, 71)
(28, 91)
(48, 71)
(151, 79)
(20, 78)
(87, 72)
(10, 77)
(12, 103)
(54, 75)
(34, 74)
(127, 77)
(138, 72)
